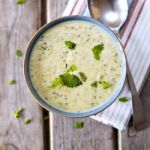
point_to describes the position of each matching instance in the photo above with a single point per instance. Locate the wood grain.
(142, 139)
(17, 25)
(55, 8)
(94, 135)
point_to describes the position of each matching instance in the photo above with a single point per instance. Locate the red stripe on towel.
(134, 24)
(73, 8)
(82, 7)
(130, 16)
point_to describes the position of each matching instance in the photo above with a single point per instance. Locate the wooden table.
(17, 24)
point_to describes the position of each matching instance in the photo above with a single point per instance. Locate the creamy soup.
(75, 66)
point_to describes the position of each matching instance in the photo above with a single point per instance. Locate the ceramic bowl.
(45, 103)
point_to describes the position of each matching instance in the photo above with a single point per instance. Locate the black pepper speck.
(66, 65)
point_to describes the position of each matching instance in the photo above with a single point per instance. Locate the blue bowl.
(47, 105)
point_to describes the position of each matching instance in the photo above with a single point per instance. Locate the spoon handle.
(139, 120)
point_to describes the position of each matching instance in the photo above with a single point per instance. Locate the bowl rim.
(37, 96)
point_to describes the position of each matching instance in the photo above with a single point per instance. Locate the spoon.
(114, 13)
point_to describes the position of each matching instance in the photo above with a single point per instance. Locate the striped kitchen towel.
(136, 40)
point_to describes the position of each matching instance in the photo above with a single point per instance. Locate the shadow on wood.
(142, 139)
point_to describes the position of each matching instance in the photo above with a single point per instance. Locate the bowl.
(47, 105)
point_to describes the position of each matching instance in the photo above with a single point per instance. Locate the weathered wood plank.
(94, 135)
(142, 139)
(55, 8)
(17, 25)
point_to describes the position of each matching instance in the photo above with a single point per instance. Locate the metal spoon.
(113, 13)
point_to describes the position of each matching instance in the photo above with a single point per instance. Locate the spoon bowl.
(112, 13)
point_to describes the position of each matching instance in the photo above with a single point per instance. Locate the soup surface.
(75, 66)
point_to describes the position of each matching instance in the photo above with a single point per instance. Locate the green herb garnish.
(21, 2)
(17, 113)
(72, 68)
(45, 118)
(27, 121)
(83, 76)
(70, 80)
(94, 84)
(56, 82)
(105, 85)
(70, 45)
(79, 125)
(11, 82)
(123, 99)
(97, 51)
(18, 53)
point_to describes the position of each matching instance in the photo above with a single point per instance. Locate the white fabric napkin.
(136, 40)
